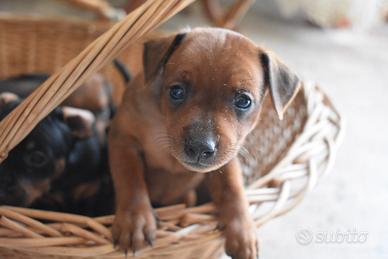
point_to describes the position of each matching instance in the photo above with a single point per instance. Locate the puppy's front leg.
(227, 191)
(134, 222)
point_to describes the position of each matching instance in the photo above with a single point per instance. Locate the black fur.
(23, 84)
(152, 54)
(85, 162)
(123, 70)
(174, 45)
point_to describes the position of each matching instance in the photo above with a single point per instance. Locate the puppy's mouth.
(201, 166)
(197, 166)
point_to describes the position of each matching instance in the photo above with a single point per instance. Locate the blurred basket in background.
(33, 44)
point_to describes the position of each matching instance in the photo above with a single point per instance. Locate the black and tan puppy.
(73, 175)
(183, 120)
(94, 95)
(58, 166)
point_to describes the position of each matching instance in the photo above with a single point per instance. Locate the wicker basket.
(282, 160)
(35, 44)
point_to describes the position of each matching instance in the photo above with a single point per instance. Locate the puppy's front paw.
(241, 240)
(134, 228)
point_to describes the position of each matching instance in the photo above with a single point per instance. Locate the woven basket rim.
(201, 216)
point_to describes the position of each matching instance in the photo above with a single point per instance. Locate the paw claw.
(220, 226)
(133, 230)
(149, 241)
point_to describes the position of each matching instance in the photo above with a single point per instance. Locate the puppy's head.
(43, 155)
(210, 84)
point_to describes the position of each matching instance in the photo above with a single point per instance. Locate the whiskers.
(164, 141)
(245, 154)
(225, 156)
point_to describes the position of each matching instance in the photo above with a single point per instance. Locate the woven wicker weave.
(34, 44)
(282, 160)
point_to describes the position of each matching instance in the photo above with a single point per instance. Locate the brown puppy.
(188, 114)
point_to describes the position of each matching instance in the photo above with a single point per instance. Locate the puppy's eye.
(177, 93)
(36, 159)
(242, 101)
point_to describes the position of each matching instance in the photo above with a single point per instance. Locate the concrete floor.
(352, 67)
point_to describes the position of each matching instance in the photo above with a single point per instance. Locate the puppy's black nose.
(200, 150)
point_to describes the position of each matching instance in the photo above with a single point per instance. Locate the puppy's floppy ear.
(81, 122)
(157, 53)
(283, 84)
(6, 98)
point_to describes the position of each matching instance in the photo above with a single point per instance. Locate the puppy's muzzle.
(199, 146)
(200, 151)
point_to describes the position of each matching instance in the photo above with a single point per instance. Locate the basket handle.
(16, 125)
(102, 8)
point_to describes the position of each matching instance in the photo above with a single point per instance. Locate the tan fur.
(91, 96)
(34, 189)
(86, 190)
